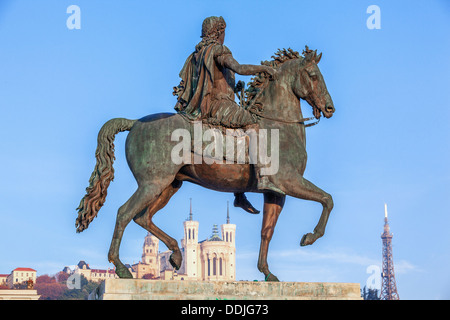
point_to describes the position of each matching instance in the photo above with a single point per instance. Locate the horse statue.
(149, 146)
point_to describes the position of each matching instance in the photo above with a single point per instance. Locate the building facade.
(20, 276)
(96, 275)
(4, 280)
(209, 259)
(148, 267)
(18, 285)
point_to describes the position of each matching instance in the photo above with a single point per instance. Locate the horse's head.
(310, 85)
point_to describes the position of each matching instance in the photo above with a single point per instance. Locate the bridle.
(252, 109)
(301, 121)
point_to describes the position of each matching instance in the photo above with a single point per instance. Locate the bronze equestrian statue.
(206, 96)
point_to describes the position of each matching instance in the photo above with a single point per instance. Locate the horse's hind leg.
(138, 202)
(308, 191)
(144, 219)
(273, 204)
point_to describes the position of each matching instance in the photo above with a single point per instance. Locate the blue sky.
(386, 143)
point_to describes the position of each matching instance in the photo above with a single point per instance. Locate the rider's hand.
(239, 86)
(271, 72)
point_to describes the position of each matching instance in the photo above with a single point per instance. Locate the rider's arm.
(229, 62)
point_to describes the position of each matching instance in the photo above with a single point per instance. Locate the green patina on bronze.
(272, 102)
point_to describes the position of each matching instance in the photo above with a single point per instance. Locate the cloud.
(304, 255)
(336, 256)
(404, 267)
(302, 264)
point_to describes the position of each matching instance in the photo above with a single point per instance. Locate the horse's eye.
(313, 76)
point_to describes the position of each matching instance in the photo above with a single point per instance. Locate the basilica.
(209, 259)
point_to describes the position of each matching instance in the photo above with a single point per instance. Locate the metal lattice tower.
(388, 285)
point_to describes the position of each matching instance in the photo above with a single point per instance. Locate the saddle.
(224, 145)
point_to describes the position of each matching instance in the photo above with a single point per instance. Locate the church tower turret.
(191, 252)
(228, 229)
(150, 263)
(228, 235)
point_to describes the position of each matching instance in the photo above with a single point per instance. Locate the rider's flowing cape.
(197, 78)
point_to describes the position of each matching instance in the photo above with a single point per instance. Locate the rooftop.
(103, 271)
(82, 263)
(215, 234)
(24, 269)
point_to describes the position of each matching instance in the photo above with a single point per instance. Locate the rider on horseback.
(207, 87)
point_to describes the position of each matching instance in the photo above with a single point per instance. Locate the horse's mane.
(280, 57)
(256, 84)
(259, 82)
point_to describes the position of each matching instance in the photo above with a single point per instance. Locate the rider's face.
(222, 37)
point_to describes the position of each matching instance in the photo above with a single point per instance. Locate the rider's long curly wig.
(212, 28)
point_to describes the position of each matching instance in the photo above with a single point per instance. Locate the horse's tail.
(103, 172)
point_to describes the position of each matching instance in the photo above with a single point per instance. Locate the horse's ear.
(317, 59)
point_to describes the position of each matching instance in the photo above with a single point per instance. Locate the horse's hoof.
(272, 277)
(307, 239)
(175, 259)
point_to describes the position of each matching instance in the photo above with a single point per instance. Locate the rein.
(301, 121)
(252, 110)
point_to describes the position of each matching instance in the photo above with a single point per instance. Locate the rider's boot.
(240, 200)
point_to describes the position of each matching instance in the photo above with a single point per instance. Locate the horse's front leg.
(308, 191)
(273, 204)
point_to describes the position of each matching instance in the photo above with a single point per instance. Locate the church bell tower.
(228, 235)
(150, 254)
(191, 252)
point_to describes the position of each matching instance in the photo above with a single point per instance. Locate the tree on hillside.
(62, 277)
(44, 279)
(55, 288)
(48, 288)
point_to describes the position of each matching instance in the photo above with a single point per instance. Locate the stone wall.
(14, 294)
(140, 289)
